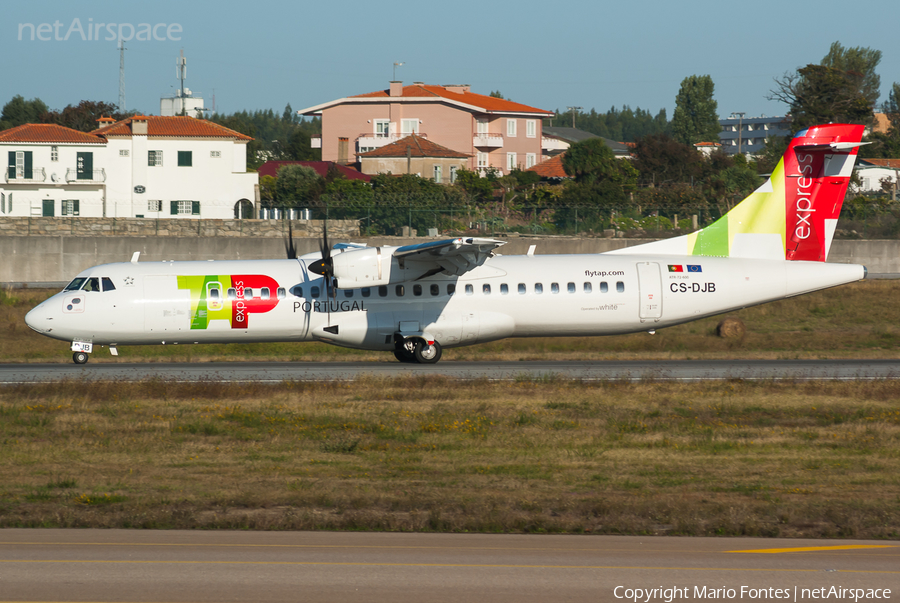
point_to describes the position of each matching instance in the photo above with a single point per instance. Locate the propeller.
(325, 267)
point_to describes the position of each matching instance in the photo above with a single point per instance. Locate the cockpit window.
(108, 284)
(76, 284)
(92, 283)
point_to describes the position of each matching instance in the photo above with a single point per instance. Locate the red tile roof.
(270, 168)
(417, 146)
(188, 127)
(551, 168)
(894, 164)
(48, 133)
(486, 103)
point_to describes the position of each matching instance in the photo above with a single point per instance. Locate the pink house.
(492, 132)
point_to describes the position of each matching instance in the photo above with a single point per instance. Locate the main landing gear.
(417, 350)
(80, 357)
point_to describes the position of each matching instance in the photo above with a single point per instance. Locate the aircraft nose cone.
(39, 319)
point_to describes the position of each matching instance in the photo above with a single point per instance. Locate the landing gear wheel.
(80, 357)
(427, 354)
(405, 352)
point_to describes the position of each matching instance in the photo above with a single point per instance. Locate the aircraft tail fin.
(793, 215)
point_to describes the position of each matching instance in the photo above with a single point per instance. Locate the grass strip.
(811, 459)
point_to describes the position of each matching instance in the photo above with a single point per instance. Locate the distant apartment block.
(488, 132)
(748, 135)
(143, 166)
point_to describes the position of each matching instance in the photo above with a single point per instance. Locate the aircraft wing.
(454, 256)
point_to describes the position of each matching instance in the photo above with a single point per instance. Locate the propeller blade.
(289, 243)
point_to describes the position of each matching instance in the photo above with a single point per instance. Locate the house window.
(2, 203)
(453, 169)
(154, 158)
(215, 154)
(20, 165)
(438, 174)
(511, 127)
(54, 153)
(482, 159)
(481, 125)
(154, 205)
(185, 158)
(69, 208)
(531, 128)
(510, 161)
(84, 166)
(185, 208)
(123, 152)
(409, 126)
(530, 160)
(382, 128)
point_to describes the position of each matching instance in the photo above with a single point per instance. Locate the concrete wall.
(56, 259)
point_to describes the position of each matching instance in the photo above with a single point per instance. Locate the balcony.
(37, 175)
(489, 140)
(85, 177)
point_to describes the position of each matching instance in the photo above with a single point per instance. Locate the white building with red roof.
(143, 166)
(491, 132)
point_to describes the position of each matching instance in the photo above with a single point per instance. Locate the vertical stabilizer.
(793, 215)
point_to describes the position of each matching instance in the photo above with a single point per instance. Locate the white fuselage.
(508, 296)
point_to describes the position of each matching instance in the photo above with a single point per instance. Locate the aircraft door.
(650, 291)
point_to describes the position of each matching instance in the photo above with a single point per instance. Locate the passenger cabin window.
(232, 293)
(366, 292)
(314, 292)
(264, 293)
(92, 283)
(620, 287)
(280, 293)
(214, 294)
(470, 290)
(504, 289)
(554, 287)
(248, 293)
(604, 287)
(571, 287)
(587, 288)
(297, 291)
(435, 289)
(417, 290)
(348, 293)
(521, 288)
(108, 284)
(539, 288)
(451, 289)
(382, 291)
(486, 289)
(401, 291)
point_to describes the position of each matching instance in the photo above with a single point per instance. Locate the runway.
(120, 565)
(667, 370)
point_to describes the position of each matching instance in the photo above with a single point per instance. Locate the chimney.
(396, 89)
(458, 88)
(139, 125)
(343, 150)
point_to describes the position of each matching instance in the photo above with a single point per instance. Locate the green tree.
(480, 189)
(662, 160)
(887, 144)
(695, 118)
(84, 115)
(19, 111)
(297, 186)
(859, 64)
(590, 161)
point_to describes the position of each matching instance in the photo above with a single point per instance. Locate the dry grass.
(769, 459)
(854, 321)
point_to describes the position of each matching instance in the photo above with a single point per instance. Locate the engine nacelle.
(366, 267)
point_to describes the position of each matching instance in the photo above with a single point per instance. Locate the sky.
(586, 53)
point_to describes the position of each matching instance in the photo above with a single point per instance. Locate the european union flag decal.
(694, 268)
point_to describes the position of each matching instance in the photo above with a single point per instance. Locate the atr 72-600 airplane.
(417, 299)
